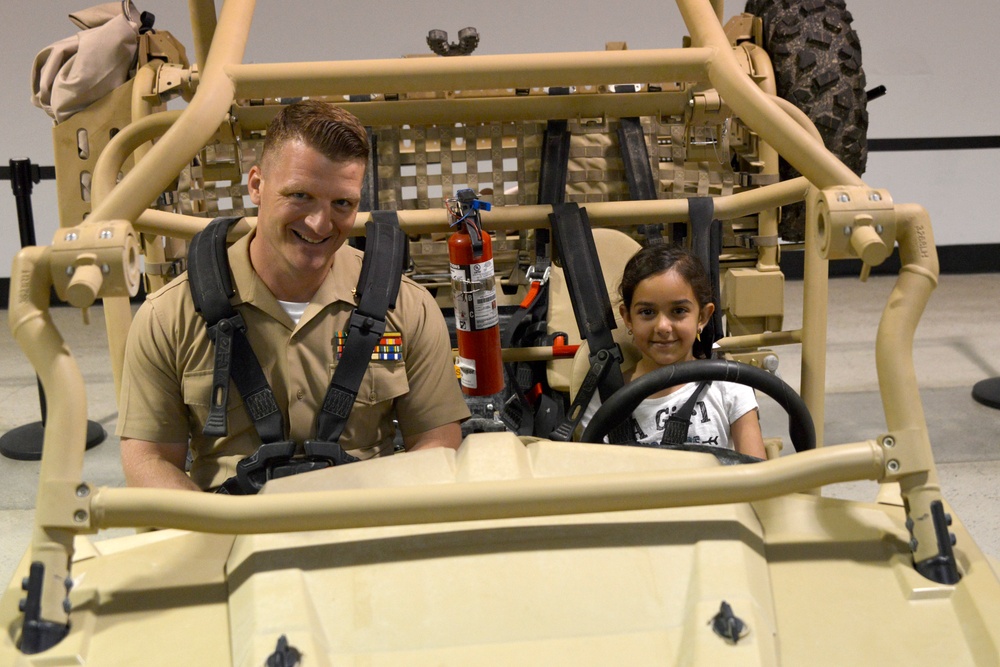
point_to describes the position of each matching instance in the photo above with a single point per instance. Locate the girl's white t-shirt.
(720, 405)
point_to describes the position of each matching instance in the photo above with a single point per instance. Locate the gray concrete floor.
(957, 345)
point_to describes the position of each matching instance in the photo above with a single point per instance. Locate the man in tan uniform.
(294, 279)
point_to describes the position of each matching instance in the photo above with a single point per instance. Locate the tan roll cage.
(845, 219)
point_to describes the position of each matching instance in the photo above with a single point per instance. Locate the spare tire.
(816, 57)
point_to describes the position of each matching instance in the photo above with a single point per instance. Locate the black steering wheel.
(626, 399)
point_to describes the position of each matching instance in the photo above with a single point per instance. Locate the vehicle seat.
(614, 249)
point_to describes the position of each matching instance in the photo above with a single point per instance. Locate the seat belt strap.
(706, 244)
(518, 413)
(600, 365)
(211, 288)
(638, 172)
(552, 177)
(574, 240)
(675, 430)
(378, 287)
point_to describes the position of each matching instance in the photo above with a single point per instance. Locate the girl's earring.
(697, 336)
(629, 331)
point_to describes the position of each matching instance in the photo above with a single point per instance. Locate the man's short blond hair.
(323, 126)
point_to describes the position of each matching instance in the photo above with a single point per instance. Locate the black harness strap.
(370, 185)
(551, 181)
(378, 286)
(638, 172)
(518, 413)
(675, 431)
(212, 287)
(555, 163)
(574, 240)
(706, 243)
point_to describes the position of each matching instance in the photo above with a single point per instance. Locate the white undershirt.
(294, 309)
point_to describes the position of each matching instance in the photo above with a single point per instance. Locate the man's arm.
(446, 435)
(433, 406)
(155, 464)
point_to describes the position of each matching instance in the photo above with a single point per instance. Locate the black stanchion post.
(25, 442)
(987, 392)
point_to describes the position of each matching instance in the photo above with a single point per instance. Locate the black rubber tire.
(817, 63)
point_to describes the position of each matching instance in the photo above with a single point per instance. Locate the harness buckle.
(227, 326)
(274, 460)
(322, 450)
(541, 276)
(253, 471)
(366, 323)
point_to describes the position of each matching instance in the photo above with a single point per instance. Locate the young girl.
(666, 302)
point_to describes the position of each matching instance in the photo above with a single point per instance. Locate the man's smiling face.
(308, 204)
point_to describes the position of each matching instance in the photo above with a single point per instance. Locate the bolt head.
(770, 362)
(843, 197)
(106, 233)
(80, 516)
(876, 196)
(889, 441)
(848, 231)
(72, 236)
(893, 465)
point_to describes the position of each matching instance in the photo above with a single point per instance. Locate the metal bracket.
(67, 506)
(903, 455)
(95, 259)
(707, 108)
(856, 222)
(173, 80)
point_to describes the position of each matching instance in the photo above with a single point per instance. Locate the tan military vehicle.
(520, 550)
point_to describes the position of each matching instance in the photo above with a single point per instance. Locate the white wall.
(935, 59)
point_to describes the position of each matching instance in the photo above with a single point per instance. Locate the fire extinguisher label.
(475, 293)
(467, 372)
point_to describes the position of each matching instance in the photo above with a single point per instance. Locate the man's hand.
(448, 435)
(155, 464)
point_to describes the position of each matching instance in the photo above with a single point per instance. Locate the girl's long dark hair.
(657, 259)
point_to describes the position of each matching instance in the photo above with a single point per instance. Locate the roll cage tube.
(627, 399)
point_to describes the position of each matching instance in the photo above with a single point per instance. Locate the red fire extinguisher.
(477, 321)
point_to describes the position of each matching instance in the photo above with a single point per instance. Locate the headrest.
(614, 249)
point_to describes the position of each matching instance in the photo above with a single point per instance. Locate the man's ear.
(254, 180)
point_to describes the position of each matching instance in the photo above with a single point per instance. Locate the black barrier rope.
(24, 443)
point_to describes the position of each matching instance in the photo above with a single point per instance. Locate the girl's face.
(665, 318)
